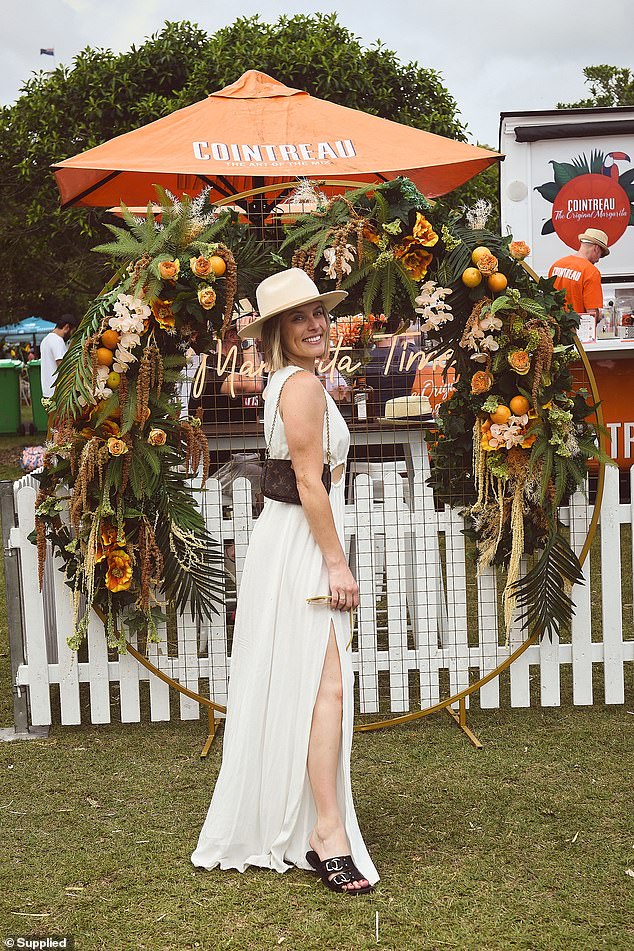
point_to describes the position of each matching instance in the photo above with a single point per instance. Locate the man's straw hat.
(285, 290)
(594, 236)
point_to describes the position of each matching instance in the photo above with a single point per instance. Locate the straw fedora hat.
(594, 236)
(284, 290)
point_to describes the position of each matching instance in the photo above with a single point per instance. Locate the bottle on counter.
(363, 402)
(605, 325)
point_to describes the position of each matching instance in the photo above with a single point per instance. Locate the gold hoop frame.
(460, 697)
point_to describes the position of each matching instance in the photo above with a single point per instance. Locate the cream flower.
(491, 323)
(129, 340)
(127, 323)
(346, 255)
(489, 343)
(432, 307)
(101, 390)
(126, 304)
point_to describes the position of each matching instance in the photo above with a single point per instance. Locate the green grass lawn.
(525, 844)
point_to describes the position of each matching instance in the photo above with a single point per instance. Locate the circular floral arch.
(512, 442)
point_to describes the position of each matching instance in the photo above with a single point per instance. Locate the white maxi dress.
(262, 810)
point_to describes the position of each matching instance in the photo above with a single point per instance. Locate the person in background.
(228, 398)
(578, 276)
(186, 381)
(336, 385)
(52, 349)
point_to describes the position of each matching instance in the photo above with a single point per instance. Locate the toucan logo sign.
(595, 191)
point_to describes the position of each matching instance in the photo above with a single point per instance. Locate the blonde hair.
(271, 338)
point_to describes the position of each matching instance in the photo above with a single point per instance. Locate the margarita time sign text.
(339, 362)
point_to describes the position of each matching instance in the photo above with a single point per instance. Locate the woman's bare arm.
(302, 407)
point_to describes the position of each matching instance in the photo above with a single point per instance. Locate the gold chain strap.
(277, 407)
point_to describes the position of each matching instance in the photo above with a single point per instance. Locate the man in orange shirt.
(577, 275)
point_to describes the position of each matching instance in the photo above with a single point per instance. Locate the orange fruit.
(218, 265)
(477, 254)
(105, 357)
(110, 339)
(519, 405)
(114, 379)
(471, 277)
(501, 415)
(497, 282)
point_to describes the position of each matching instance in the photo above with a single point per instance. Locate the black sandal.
(345, 871)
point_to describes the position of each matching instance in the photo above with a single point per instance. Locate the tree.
(47, 262)
(609, 86)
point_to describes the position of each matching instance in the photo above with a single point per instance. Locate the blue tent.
(33, 329)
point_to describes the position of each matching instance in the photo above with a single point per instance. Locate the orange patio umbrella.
(258, 132)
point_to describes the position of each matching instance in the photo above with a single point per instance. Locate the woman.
(283, 796)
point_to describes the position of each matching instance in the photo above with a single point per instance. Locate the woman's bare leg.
(328, 838)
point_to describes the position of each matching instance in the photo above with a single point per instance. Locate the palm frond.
(358, 274)
(370, 291)
(541, 596)
(407, 283)
(549, 456)
(387, 290)
(459, 259)
(74, 377)
(180, 529)
(382, 208)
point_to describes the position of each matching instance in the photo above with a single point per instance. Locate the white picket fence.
(426, 626)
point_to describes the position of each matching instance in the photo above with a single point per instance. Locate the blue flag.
(47, 52)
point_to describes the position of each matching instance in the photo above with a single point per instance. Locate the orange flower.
(117, 447)
(108, 535)
(157, 437)
(163, 314)
(520, 361)
(481, 382)
(201, 266)
(110, 427)
(119, 573)
(424, 232)
(370, 234)
(528, 442)
(519, 250)
(487, 263)
(107, 542)
(414, 257)
(169, 270)
(206, 297)
(484, 441)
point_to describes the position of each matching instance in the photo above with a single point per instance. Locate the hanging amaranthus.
(151, 563)
(517, 550)
(231, 285)
(196, 449)
(304, 258)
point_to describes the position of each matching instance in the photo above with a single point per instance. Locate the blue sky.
(493, 57)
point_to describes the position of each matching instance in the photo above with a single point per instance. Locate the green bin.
(40, 418)
(10, 395)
